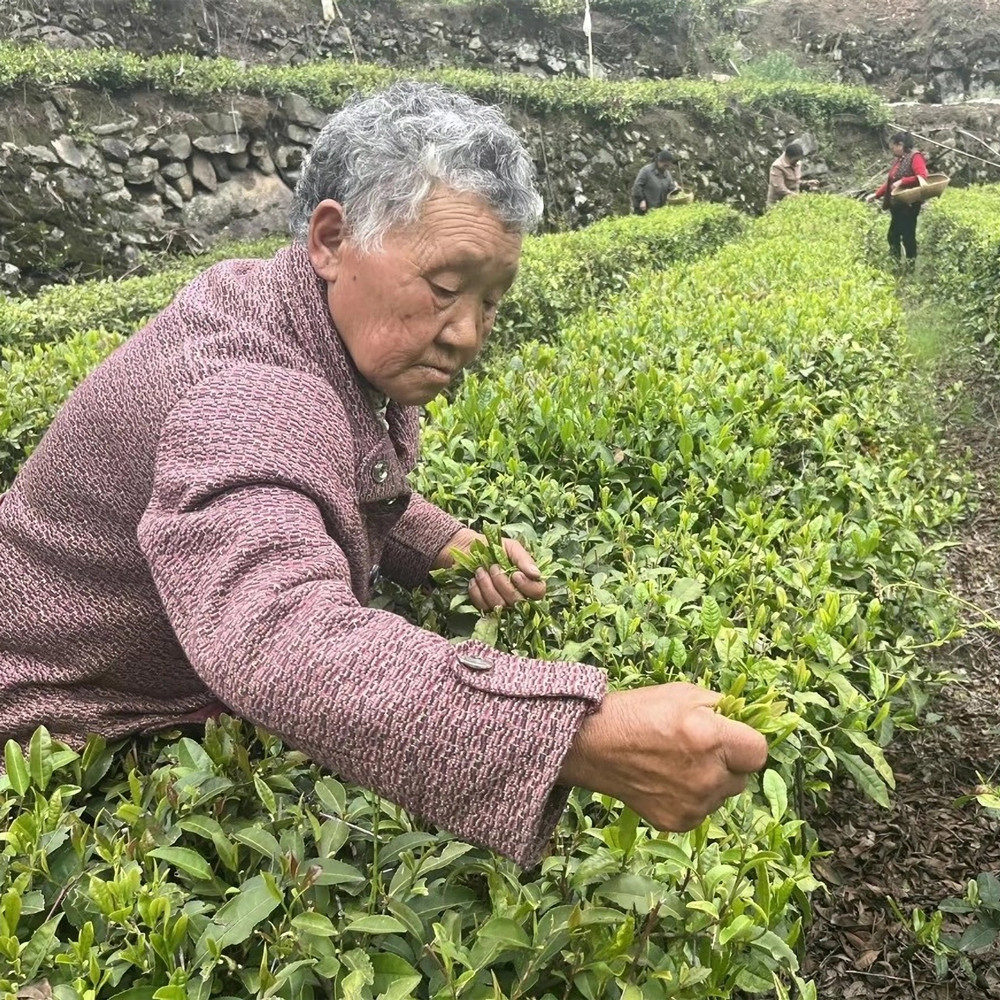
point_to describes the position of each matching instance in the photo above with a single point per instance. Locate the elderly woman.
(200, 529)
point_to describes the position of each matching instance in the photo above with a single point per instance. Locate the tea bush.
(559, 275)
(961, 235)
(328, 84)
(724, 480)
(119, 305)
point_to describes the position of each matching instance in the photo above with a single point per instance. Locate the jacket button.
(375, 576)
(475, 662)
(380, 472)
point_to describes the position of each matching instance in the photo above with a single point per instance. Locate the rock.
(534, 71)
(113, 128)
(172, 147)
(223, 123)
(173, 196)
(288, 157)
(185, 187)
(140, 144)
(60, 38)
(265, 164)
(303, 136)
(40, 154)
(203, 172)
(221, 168)
(117, 198)
(68, 151)
(258, 148)
(141, 170)
(228, 143)
(246, 195)
(114, 149)
(553, 64)
(298, 110)
(475, 43)
(945, 59)
(526, 52)
(239, 161)
(173, 170)
(75, 186)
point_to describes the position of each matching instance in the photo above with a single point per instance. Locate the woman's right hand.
(870, 197)
(664, 752)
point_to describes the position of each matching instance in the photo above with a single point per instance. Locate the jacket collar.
(385, 451)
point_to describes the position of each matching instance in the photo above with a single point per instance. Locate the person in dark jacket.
(907, 167)
(653, 184)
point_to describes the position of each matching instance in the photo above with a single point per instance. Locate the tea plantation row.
(723, 474)
(327, 83)
(962, 236)
(48, 343)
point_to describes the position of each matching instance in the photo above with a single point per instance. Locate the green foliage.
(564, 272)
(116, 305)
(961, 236)
(328, 84)
(779, 67)
(724, 480)
(649, 13)
(559, 275)
(36, 382)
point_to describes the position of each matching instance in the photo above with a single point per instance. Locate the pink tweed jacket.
(201, 527)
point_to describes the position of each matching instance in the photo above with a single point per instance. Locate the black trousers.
(903, 230)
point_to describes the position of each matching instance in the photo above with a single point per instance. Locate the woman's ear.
(327, 233)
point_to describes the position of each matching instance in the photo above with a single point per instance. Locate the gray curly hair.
(383, 155)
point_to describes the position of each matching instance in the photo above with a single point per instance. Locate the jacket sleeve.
(416, 540)
(639, 186)
(246, 534)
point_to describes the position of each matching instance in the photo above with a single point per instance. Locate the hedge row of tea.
(962, 238)
(723, 477)
(328, 84)
(48, 343)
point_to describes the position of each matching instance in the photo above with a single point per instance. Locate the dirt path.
(926, 848)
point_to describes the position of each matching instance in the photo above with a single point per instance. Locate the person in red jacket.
(907, 166)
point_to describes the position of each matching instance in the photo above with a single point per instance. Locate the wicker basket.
(929, 187)
(680, 197)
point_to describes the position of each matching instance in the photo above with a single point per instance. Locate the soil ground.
(926, 848)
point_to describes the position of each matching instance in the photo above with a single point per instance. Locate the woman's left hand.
(495, 587)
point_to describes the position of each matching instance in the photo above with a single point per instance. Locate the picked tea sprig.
(767, 714)
(483, 554)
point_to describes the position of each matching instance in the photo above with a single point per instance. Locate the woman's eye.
(442, 292)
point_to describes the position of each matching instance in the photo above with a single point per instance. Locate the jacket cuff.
(416, 540)
(550, 700)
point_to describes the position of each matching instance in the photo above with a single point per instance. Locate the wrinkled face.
(897, 148)
(416, 312)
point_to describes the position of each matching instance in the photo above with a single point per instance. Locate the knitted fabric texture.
(198, 529)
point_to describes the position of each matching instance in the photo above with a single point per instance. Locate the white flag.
(586, 19)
